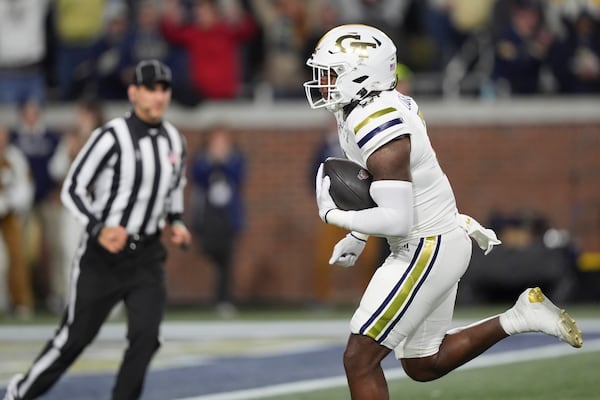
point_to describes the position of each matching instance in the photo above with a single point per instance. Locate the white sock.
(462, 328)
(509, 320)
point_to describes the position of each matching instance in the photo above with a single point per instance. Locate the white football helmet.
(361, 57)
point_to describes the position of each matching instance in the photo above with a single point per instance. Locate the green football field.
(574, 377)
(295, 354)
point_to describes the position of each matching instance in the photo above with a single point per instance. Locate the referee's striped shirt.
(129, 173)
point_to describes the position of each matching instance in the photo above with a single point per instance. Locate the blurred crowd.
(61, 50)
(39, 237)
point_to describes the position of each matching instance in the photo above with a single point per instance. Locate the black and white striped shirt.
(129, 173)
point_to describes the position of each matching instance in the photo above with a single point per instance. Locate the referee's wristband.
(178, 222)
(94, 230)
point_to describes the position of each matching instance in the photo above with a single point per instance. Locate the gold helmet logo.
(353, 44)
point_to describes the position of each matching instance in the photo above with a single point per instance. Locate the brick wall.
(553, 169)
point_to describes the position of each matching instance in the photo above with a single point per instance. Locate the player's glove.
(324, 200)
(485, 237)
(347, 250)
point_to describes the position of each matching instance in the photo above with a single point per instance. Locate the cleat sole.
(570, 332)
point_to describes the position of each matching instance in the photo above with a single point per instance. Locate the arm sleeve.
(393, 215)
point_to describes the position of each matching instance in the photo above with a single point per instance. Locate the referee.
(125, 185)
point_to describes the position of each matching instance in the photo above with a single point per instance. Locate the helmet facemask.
(323, 89)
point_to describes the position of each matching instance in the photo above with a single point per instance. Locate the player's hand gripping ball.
(350, 184)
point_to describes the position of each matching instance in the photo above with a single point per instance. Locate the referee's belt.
(136, 240)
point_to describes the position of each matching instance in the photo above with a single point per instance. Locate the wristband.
(359, 236)
(325, 216)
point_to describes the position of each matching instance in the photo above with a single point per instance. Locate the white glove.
(485, 238)
(347, 250)
(324, 200)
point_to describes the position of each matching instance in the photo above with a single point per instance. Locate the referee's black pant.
(100, 280)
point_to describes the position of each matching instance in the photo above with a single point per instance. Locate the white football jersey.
(382, 118)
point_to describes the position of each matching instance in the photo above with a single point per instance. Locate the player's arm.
(391, 190)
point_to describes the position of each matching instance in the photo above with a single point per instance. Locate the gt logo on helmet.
(352, 44)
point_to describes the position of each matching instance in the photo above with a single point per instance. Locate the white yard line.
(206, 330)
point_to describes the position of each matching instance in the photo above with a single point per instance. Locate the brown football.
(350, 184)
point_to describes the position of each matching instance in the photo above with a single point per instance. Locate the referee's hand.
(180, 236)
(113, 238)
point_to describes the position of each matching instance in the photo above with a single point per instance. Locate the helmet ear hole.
(361, 93)
(338, 69)
(360, 79)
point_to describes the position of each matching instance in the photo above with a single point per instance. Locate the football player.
(408, 305)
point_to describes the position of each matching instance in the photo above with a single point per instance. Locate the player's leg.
(532, 312)
(363, 354)
(455, 350)
(362, 363)
(400, 295)
(426, 320)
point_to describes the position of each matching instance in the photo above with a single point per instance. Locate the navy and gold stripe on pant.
(387, 315)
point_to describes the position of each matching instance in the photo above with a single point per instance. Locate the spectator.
(38, 143)
(575, 59)
(78, 25)
(105, 61)
(22, 50)
(16, 192)
(450, 23)
(146, 41)
(520, 50)
(213, 40)
(387, 15)
(286, 31)
(218, 174)
(327, 17)
(88, 117)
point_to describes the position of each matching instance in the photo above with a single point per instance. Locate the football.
(350, 184)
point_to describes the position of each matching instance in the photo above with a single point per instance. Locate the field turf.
(575, 377)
